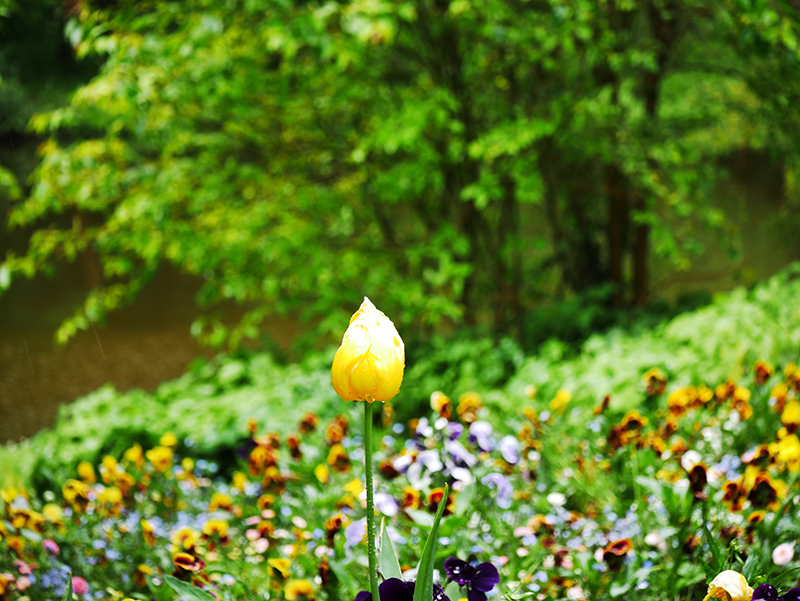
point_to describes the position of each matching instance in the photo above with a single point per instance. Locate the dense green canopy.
(457, 161)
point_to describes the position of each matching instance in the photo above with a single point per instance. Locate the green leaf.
(424, 588)
(187, 592)
(344, 578)
(710, 572)
(715, 552)
(388, 563)
(68, 590)
(750, 568)
(420, 518)
(619, 589)
(464, 499)
(453, 591)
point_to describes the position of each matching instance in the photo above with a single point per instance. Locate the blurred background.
(182, 176)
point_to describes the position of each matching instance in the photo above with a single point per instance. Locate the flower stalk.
(372, 552)
(368, 367)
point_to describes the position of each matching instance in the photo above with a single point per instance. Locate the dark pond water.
(139, 347)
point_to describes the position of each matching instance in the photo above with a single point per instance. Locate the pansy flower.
(477, 579)
(299, 589)
(509, 449)
(441, 403)
(503, 487)
(480, 434)
(614, 553)
(767, 592)
(309, 423)
(655, 381)
(394, 589)
(293, 442)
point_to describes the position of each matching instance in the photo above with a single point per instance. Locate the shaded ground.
(140, 347)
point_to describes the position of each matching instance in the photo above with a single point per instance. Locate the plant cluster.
(655, 503)
(210, 404)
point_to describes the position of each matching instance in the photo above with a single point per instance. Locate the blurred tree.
(458, 160)
(38, 71)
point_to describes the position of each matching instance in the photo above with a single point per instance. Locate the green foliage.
(389, 564)
(37, 67)
(210, 404)
(714, 343)
(186, 591)
(456, 365)
(598, 508)
(296, 156)
(424, 584)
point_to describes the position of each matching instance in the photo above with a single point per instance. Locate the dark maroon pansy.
(394, 589)
(767, 592)
(477, 579)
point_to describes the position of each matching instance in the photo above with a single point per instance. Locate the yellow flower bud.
(369, 364)
(731, 586)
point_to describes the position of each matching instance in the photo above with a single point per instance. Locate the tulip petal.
(369, 364)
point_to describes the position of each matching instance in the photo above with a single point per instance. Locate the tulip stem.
(373, 567)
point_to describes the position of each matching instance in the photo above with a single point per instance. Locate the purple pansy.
(394, 589)
(503, 487)
(386, 504)
(430, 459)
(424, 428)
(355, 533)
(478, 579)
(453, 430)
(767, 592)
(459, 453)
(509, 449)
(480, 433)
(401, 462)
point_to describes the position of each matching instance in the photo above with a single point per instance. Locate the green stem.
(373, 564)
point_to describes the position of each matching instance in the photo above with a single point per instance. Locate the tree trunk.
(641, 264)
(664, 24)
(618, 224)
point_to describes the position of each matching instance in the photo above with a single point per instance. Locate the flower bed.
(699, 479)
(695, 486)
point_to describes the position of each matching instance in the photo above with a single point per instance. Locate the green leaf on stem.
(388, 563)
(464, 500)
(344, 578)
(186, 591)
(420, 518)
(423, 591)
(750, 570)
(68, 590)
(716, 554)
(453, 591)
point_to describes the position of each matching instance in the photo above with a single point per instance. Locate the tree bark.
(664, 24)
(618, 224)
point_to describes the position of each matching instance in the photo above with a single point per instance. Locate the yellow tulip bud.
(369, 364)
